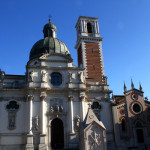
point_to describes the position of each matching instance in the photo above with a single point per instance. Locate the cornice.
(56, 68)
(88, 39)
(54, 90)
(3, 98)
(85, 18)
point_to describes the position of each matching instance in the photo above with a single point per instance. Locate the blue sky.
(124, 25)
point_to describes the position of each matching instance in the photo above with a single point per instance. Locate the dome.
(50, 44)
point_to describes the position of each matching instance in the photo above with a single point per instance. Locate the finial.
(125, 88)
(140, 87)
(49, 18)
(132, 85)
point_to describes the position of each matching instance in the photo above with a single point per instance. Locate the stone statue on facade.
(56, 108)
(77, 122)
(70, 77)
(31, 74)
(80, 76)
(11, 122)
(51, 109)
(2, 75)
(61, 108)
(43, 77)
(36, 123)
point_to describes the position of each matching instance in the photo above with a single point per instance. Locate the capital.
(42, 97)
(82, 98)
(70, 98)
(30, 97)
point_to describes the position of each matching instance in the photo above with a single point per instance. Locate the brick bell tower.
(89, 48)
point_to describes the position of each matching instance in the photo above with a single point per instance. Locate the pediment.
(56, 57)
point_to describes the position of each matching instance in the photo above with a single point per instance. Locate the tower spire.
(140, 87)
(132, 85)
(125, 88)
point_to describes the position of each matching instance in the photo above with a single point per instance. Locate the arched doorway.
(57, 134)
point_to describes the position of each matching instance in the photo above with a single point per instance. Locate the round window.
(134, 96)
(56, 79)
(136, 108)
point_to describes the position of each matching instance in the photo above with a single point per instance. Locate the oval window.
(56, 79)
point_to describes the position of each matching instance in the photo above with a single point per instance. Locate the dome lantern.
(50, 44)
(50, 30)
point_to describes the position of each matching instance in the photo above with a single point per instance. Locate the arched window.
(123, 125)
(89, 27)
(12, 108)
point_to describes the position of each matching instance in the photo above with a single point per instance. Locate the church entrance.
(57, 134)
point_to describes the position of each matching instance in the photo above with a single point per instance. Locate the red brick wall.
(94, 69)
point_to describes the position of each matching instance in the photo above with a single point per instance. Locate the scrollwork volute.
(42, 97)
(70, 98)
(30, 97)
(82, 98)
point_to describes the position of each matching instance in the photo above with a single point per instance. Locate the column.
(43, 145)
(72, 136)
(29, 145)
(30, 101)
(83, 22)
(82, 113)
(70, 98)
(81, 26)
(95, 27)
(42, 98)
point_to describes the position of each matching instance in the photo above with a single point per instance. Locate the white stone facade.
(53, 93)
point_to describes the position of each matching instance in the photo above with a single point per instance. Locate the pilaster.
(82, 111)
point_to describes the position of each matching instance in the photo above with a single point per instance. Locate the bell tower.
(89, 49)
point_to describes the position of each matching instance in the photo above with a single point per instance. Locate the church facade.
(57, 105)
